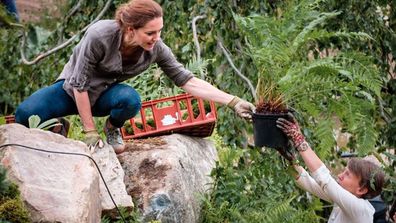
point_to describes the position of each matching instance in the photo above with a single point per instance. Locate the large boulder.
(113, 175)
(55, 187)
(168, 174)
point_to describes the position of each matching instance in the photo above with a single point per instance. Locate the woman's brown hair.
(136, 13)
(371, 176)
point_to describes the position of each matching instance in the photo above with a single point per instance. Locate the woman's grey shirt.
(96, 62)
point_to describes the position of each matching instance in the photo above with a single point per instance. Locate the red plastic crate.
(9, 119)
(183, 114)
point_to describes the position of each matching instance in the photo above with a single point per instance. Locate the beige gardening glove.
(243, 108)
(93, 140)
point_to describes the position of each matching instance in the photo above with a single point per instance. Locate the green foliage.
(253, 186)
(130, 216)
(12, 208)
(343, 84)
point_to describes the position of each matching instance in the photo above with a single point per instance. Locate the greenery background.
(330, 58)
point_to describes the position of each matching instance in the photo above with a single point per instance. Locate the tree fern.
(345, 84)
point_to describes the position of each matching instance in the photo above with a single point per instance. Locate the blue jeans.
(120, 101)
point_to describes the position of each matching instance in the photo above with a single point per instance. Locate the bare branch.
(249, 83)
(196, 42)
(71, 12)
(64, 44)
(195, 36)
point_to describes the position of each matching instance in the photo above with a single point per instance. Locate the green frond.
(366, 136)
(277, 211)
(198, 67)
(304, 34)
(324, 132)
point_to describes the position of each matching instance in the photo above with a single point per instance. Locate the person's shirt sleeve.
(350, 204)
(306, 182)
(86, 56)
(171, 67)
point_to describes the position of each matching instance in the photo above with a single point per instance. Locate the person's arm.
(84, 110)
(306, 182)
(92, 137)
(204, 90)
(350, 204)
(195, 86)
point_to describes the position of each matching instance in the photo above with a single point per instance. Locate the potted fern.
(270, 106)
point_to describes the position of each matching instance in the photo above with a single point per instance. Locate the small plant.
(269, 99)
(128, 128)
(34, 122)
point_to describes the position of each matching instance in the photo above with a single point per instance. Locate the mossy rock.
(13, 210)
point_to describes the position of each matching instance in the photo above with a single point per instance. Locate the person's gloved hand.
(291, 129)
(287, 153)
(243, 108)
(92, 139)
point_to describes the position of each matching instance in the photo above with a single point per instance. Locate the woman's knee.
(130, 101)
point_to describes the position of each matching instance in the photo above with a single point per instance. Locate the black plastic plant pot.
(266, 133)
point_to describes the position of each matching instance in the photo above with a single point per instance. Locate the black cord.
(74, 154)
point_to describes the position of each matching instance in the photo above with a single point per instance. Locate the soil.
(144, 144)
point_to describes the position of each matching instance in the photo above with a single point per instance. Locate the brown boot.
(63, 128)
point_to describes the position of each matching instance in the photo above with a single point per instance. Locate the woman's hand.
(92, 139)
(291, 129)
(243, 108)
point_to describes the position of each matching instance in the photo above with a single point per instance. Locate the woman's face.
(350, 182)
(148, 35)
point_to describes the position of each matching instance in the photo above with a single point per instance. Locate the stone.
(168, 174)
(113, 175)
(54, 187)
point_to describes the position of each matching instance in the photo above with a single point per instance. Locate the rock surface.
(54, 187)
(113, 175)
(167, 175)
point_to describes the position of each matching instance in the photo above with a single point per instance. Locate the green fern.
(324, 132)
(345, 84)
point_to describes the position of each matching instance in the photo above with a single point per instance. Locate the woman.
(110, 52)
(360, 180)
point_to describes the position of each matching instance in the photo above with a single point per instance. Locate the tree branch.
(249, 83)
(64, 44)
(71, 12)
(195, 36)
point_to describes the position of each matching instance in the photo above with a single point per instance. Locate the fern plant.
(269, 99)
(321, 82)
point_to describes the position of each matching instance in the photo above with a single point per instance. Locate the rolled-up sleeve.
(86, 56)
(306, 182)
(171, 67)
